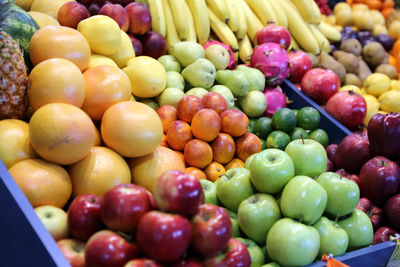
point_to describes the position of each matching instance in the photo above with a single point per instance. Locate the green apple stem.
(301, 218)
(336, 219)
(302, 138)
(341, 173)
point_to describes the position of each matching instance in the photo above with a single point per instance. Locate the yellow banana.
(157, 17)
(245, 49)
(316, 11)
(242, 30)
(180, 18)
(293, 44)
(305, 9)
(223, 31)
(323, 42)
(201, 20)
(219, 8)
(330, 32)
(233, 21)
(263, 10)
(253, 22)
(172, 36)
(299, 29)
(192, 30)
(280, 13)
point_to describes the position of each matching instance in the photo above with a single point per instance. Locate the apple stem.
(301, 218)
(302, 138)
(341, 173)
(336, 219)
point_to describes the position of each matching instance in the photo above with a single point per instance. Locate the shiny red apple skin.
(331, 151)
(320, 84)
(162, 236)
(352, 177)
(137, 45)
(154, 44)
(212, 229)
(300, 63)
(330, 166)
(142, 262)
(84, 216)
(379, 180)
(139, 18)
(178, 192)
(392, 211)
(383, 234)
(71, 13)
(123, 206)
(374, 213)
(73, 250)
(117, 13)
(237, 254)
(108, 249)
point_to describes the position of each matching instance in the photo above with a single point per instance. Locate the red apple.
(117, 13)
(373, 212)
(142, 262)
(300, 63)
(189, 262)
(154, 44)
(331, 151)
(137, 45)
(163, 237)
(139, 18)
(379, 180)
(84, 216)
(178, 192)
(392, 211)
(383, 234)
(330, 167)
(71, 13)
(107, 248)
(73, 250)
(320, 84)
(123, 206)
(352, 177)
(236, 254)
(94, 9)
(212, 228)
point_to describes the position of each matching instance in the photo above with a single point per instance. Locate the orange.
(59, 41)
(61, 133)
(98, 172)
(97, 139)
(388, 4)
(234, 163)
(214, 171)
(133, 129)
(199, 174)
(374, 4)
(387, 12)
(167, 114)
(198, 153)
(105, 86)
(178, 134)
(223, 148)
(146, 170)
(14, 142)
(206, 124)
(56, 80)
(42, 182)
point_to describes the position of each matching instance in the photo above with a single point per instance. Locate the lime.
(278, 139)
(320, 136)
(308, 118)
(298, 133)
(284, 119)
(263, 144)
(263, 127)
(250, 128)
(295, 111)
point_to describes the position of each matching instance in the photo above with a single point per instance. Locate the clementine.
(198, 153)
(234, 163)
(196, 172)
(206, 124)
(214, 171)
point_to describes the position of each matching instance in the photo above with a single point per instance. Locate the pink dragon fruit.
(273, 61)
(232, 61)
(276, 99)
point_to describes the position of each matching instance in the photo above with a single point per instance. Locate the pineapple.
(13, 79)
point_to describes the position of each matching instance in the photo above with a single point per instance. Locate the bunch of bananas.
(235, 22)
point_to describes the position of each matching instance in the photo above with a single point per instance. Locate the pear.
(235, 80)
(187, 52)
(226, 93)
(175, 80)
(170, 63)
(255, 76)
(200, 73)
(218, 55)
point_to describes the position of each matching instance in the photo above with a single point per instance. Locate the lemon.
(100, 60)
(372, 107)
(125, 51)
(148, 77)
(390, 101)
(50, 7)
(376, 84)
(102, 33)
(395, 85)
(353, 88)
(43, 19)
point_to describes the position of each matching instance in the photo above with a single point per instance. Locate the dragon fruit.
(276, 99)
(232, 61)
(273, 61)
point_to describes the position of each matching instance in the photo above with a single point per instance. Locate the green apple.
(255, 76)
(197, 91)
(170, 63)
(253, 103)
(248, 161)
(257, 214)
(271, 264)
(343, 194)
(235, 80)
(304, 199)
(309, 157)
(233, 187)
(359, 229)
(226, 93)
(256, 254)
(170, 96)
(218, 55)
(187, 52)
(210, 192)
(235, 223)
(200, 73)
(291, 243)
(175, 80)
(333, 239)
(270, 170)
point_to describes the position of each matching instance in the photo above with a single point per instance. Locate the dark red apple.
(139, 18)
(71, 13)
(107, 248)
(383, 234)
(236, 254)
(331, 151)
(379, 180)
(137, 45)
(330, 167)
(117, 13)
(73, 250)
(94, 9)
(189, 262)
(392, 211)
(178, 192)
(273, 33)
(142, 262)
(300, 63)
(163, 237)
(352, 152)
(374, 213)
(320, 84)
(352, 177)
(84, 216)
(126, 2)
(212, 228)
(154, 44)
